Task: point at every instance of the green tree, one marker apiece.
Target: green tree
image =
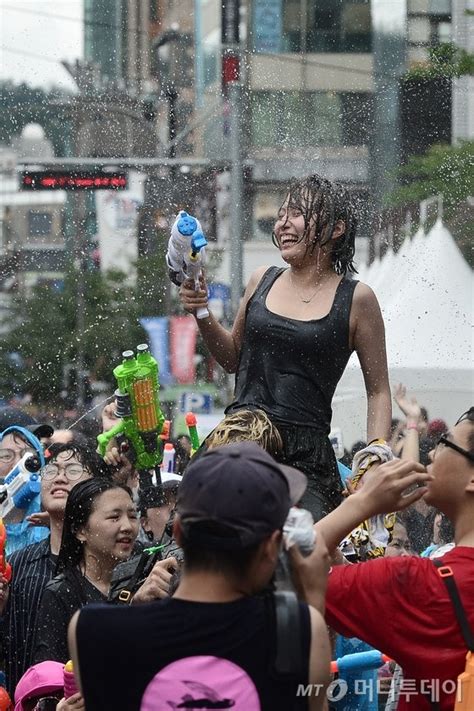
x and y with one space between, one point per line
444 60
43 332
447 170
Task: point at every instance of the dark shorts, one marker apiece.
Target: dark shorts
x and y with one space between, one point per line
310 451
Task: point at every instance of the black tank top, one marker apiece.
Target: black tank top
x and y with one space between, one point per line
154 651
290 368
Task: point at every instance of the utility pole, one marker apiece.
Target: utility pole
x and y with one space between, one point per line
232 91
389 53
236 195
80 265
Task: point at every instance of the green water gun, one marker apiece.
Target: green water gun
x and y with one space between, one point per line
138 407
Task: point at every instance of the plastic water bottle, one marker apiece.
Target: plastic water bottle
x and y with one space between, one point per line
70 687
167 465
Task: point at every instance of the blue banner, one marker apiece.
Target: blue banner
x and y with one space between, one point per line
267 25
158 333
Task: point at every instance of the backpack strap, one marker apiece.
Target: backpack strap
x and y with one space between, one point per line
147 560
445 572
289 656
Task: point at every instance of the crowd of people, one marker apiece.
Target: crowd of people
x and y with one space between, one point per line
248 576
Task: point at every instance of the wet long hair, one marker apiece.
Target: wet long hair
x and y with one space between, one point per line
79 507
324 203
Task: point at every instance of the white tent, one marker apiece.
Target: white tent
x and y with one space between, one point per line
428 321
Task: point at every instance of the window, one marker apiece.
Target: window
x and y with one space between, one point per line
357 118
329 26
40 224
296 119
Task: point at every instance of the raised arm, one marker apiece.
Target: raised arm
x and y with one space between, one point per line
383 491
369 343
223 344
412 411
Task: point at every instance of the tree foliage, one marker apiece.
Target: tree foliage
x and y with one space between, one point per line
444 60
447 170
44 336
23 104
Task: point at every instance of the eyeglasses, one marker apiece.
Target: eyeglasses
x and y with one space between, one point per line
468 415
47 703
445 442
72 471
8 455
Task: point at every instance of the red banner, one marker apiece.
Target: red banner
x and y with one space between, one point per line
183 332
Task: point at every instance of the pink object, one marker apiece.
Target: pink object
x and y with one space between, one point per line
437 427
39 680
201 679
70 687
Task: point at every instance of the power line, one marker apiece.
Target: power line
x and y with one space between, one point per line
298 58
29 54
84 21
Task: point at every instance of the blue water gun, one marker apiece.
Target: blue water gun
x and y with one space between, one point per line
186 253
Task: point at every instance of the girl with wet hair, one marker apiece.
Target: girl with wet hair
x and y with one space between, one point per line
100 529
295 331
322 204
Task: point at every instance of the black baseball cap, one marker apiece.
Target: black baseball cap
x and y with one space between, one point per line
236 495
12 417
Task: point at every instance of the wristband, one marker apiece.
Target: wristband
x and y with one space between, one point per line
412 426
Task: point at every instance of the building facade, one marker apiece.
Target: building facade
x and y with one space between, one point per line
316 97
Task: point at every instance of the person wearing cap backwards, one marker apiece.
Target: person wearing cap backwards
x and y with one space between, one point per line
20 433
212 645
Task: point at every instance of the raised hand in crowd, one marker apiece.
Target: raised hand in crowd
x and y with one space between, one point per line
73 703
157 584
108 417
409 406
412 411
385 490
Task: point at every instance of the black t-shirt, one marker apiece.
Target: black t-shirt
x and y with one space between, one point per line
62 596
180 654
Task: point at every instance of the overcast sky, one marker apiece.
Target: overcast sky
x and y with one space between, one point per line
35 35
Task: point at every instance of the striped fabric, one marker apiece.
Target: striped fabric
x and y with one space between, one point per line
32 568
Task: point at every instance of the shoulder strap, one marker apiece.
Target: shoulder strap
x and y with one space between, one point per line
145 563
289 657
445 572
265 283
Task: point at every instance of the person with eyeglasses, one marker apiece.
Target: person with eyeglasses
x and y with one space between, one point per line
401 605
33 566
20 434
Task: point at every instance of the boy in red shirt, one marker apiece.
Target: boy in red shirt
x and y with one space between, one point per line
401 606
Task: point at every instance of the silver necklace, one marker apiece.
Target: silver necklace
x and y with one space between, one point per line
305 301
